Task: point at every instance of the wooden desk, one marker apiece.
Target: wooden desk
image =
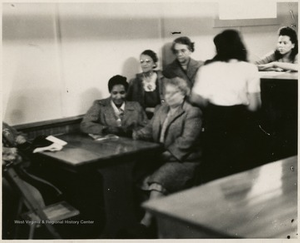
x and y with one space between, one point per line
114 160
259 203
83 152
279 116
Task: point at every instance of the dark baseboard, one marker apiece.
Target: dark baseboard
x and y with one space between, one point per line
51 127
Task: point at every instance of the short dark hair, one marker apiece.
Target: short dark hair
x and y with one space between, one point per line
294 39
229 45
151 54
185 41
117 80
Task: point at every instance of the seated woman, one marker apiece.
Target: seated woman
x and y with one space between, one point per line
114 115
285 57
227 89
147 87
177 125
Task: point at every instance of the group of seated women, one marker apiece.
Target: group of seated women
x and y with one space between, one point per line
203 114
174 107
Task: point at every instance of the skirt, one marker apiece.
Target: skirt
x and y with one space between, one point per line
174 176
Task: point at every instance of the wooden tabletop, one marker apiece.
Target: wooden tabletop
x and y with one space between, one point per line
259 203
82 149
279 75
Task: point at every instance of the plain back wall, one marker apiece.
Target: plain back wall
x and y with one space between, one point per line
58 57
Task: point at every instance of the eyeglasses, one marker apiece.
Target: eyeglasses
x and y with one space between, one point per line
145 61
118 92
170 94
183 51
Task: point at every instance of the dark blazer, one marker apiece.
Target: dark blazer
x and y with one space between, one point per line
175 70
136 91
182 134
101 115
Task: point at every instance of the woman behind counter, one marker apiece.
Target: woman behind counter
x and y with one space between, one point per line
114 115
177 125
285 57
147 87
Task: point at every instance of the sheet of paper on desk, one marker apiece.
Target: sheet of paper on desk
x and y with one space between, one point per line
52 148
56 140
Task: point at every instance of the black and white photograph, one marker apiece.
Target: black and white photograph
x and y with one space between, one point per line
137 120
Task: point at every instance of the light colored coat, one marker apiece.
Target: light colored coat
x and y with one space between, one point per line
182 140
182 133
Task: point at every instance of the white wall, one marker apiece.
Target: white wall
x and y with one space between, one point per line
57 58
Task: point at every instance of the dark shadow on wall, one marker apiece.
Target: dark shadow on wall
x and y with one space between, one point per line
18 114
167 55
130 68
88 97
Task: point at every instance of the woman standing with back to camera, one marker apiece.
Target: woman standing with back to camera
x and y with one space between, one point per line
227 89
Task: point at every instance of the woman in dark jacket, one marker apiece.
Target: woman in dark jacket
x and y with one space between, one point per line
147 87
183 66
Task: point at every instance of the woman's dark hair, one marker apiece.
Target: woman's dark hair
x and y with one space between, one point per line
185 41
151 54
229 45
293 37
117 80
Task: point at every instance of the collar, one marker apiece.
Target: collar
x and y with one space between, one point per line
116 109
187 64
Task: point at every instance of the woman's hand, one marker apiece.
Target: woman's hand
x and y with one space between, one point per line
135 135
112 130
285 66
272 66
150 109
20 139
166 156
9 154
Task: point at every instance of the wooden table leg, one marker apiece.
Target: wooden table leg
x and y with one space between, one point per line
118 198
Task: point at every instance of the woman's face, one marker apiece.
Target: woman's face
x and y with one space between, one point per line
118 94
147 63
284 44
173 96
182 53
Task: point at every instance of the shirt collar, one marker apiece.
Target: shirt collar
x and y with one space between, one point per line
116 109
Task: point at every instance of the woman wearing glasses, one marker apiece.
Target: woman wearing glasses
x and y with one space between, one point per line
177 125
147 87
183 66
